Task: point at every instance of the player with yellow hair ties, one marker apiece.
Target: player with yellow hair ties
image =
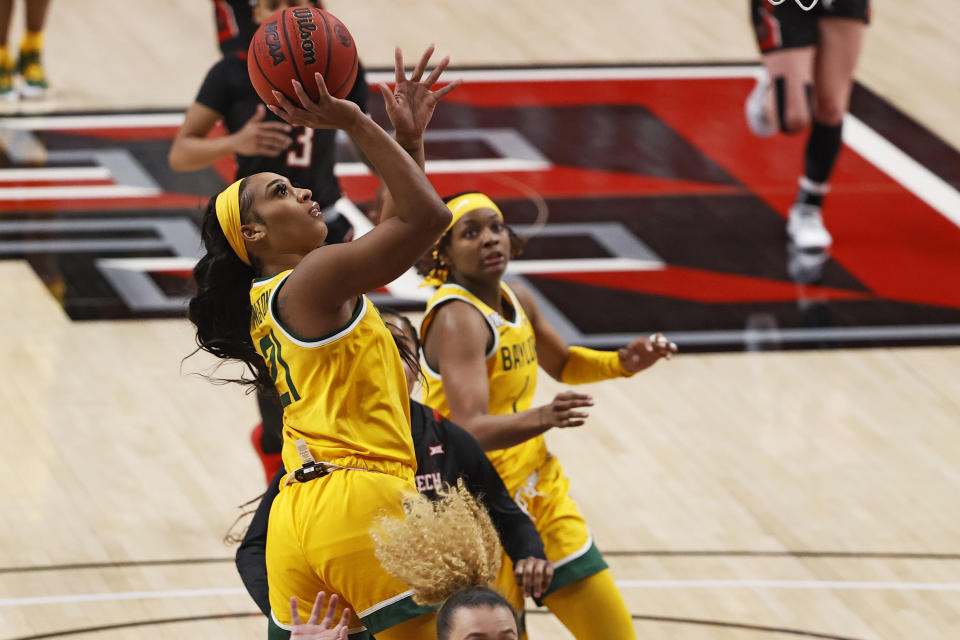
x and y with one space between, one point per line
483 341
295 314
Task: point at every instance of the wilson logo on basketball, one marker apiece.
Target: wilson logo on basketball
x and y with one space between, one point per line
306 26
271 36
342 34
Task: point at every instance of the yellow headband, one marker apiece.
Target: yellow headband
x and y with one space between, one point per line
462 205
459 207
228 215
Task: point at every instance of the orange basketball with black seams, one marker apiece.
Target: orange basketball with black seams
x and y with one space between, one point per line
295 43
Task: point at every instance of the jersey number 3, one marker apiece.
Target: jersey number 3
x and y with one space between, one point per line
302 151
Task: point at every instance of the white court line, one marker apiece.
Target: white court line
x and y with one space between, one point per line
586 265
915 177
163 263
94 121
789 584
77 192
54 173
827 585
471 165
587 73
121 595
134 120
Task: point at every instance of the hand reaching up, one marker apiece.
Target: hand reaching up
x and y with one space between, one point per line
326 112
411 103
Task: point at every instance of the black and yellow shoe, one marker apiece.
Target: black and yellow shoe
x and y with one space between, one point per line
30 68
8 92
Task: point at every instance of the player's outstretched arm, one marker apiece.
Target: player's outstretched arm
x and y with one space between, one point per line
518 535
327 278
410 107
457 343
579 365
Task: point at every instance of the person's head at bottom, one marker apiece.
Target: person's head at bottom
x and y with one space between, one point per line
477 613
447 550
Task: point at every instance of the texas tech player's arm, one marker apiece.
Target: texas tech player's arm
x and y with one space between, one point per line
531 569
517 534
192 149
252 554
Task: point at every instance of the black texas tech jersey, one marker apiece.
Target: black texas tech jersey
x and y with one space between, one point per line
308 163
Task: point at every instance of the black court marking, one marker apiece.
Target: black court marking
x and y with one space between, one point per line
618 553
854 555
115 565
722 624
138 623
645 618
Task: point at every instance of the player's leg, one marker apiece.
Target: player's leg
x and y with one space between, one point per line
841 39
781 98
323 538
582 593
788 97
30 62
593 608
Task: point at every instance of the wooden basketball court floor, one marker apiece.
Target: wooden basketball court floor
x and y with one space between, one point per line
735 495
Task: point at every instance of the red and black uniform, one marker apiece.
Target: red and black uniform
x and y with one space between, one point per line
445 453
789 26
308 163
235 25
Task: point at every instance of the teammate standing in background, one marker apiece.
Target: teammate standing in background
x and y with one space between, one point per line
260 142
808 59
296 315
483 341
29 63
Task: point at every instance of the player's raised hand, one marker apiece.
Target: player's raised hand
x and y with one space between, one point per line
644 352
326 112
324 629
259 138
411 103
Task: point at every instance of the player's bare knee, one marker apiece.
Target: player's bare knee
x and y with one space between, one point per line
795 124
830 115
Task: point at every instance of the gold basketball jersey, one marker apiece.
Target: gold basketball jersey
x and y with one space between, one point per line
344 393
511 376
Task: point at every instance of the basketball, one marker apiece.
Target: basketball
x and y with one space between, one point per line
295 43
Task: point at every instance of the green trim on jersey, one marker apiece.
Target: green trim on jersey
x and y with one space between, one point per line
283 325
393 614
275 632
585 566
